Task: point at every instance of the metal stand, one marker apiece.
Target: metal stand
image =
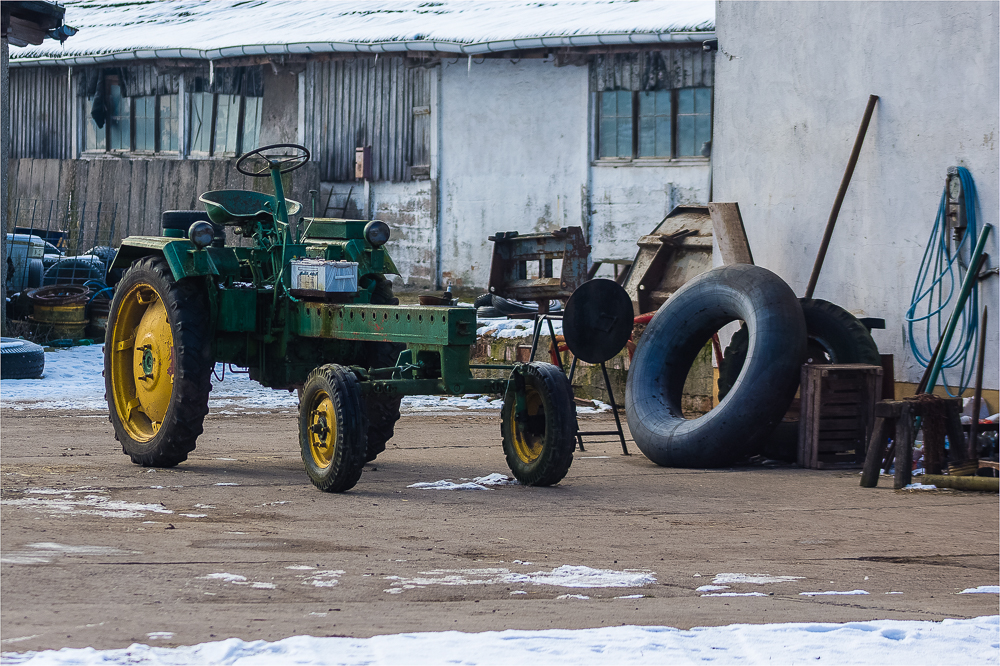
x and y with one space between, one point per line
572 371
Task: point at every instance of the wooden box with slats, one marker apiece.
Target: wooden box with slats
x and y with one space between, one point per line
836 414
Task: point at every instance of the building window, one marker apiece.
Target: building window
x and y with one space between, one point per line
216 127
219 124
655 124
145 123
119 117
114 122
169 134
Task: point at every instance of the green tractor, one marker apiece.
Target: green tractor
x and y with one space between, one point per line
309 309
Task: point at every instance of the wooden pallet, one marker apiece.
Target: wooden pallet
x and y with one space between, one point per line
836 414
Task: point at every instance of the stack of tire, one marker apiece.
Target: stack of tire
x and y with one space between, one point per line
759 373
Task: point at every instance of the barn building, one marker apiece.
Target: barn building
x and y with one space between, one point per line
479 117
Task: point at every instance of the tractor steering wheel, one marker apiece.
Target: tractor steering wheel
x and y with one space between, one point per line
257 164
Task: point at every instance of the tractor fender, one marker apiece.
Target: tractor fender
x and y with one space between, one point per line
183 258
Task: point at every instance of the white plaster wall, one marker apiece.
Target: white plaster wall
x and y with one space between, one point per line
513 156
629 201
792 81
406 208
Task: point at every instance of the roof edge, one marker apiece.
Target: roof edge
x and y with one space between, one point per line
493 46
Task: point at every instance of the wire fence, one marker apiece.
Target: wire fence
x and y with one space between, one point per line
55 241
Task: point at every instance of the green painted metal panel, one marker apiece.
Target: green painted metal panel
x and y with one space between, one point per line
237 310
182 256
388 323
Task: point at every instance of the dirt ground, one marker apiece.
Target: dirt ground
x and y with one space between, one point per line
73 579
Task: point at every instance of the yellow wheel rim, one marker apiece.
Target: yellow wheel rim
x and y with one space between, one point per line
322 430
142 362
527 443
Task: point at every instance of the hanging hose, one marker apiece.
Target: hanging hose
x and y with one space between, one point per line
941 273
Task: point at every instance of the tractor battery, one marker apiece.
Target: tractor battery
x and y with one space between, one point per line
318 278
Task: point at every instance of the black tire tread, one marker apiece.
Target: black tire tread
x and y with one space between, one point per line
561 426
348 464
187 307
852 341
739 425
21 361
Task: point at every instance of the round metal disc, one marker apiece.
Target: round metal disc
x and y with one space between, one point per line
597 321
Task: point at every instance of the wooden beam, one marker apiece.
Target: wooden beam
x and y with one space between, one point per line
729 232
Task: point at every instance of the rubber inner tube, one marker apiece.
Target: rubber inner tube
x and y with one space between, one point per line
762 392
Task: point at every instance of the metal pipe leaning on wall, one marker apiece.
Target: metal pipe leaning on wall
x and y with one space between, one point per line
841 193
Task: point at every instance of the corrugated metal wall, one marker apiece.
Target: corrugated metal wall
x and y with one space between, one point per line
41 117
653 70
363 101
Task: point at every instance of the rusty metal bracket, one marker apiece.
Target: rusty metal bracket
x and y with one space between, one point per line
509 266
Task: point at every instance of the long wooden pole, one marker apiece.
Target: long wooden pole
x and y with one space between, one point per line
841 193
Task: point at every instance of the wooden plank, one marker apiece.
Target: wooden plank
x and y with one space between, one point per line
729 232
876 451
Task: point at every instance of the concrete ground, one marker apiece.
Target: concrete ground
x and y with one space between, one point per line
329 565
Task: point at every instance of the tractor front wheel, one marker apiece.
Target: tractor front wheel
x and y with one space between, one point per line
157 363
332 428
539 440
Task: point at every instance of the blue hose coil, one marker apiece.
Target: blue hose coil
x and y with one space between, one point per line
937 285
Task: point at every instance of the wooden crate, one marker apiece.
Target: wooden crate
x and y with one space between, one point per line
836 414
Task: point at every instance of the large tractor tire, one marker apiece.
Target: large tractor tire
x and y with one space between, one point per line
761 392
20 359
157 363
332 428
834 336
540 451
382 411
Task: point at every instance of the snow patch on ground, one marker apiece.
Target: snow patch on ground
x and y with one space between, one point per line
752 579
497 479
445 484
735 594
515 328
920 486
877 642
819 594
46 552
477 483
420 404
982 589
227 577
75 375
564 576
324 578
70 504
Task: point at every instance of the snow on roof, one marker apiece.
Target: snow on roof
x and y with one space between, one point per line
113 30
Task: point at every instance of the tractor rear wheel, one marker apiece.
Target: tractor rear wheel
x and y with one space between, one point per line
539 446
332 428
157 363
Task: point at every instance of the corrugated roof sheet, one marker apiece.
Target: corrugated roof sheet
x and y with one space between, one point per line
126 29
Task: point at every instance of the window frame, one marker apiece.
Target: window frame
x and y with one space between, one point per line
183 133
651 160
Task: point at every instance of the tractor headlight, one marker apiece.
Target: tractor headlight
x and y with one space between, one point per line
377 233
201 234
